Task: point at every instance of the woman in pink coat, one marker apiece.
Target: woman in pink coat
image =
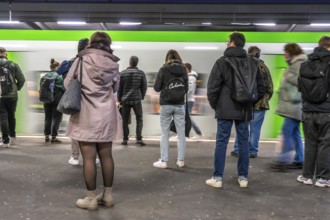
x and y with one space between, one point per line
98 123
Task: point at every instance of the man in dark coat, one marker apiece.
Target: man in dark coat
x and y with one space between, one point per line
132 89
227 110
8 100
316 124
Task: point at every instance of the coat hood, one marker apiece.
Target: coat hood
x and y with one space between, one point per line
300 57
3 60
100 65
235 52
193 73
175 67
318 53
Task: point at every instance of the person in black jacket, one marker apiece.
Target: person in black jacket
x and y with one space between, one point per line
227 111
172 83
316 125
132 89
8 101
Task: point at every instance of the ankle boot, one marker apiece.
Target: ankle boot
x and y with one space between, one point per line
105 198
89 202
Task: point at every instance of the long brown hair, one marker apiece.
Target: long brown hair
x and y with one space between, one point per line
172 55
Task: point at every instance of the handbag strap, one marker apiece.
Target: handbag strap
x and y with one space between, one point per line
81 66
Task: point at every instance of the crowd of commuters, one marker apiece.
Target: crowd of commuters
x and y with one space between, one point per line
99 121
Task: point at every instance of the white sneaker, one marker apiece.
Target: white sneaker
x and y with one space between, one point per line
180 163
5 145
302 179
322 183
242 181
97 160
214 182
13 141
73 161
160 164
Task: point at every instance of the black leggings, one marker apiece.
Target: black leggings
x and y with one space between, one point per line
88 152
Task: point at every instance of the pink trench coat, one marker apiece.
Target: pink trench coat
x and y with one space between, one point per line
99 119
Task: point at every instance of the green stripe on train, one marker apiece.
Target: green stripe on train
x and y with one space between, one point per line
163 36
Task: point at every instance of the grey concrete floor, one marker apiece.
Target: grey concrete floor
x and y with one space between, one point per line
36 182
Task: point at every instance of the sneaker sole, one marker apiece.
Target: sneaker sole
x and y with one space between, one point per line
160 167
214 186
321 186
306 183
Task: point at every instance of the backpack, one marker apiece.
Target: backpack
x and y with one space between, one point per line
174 90
6 79
313 80
47 88
244 88
64 67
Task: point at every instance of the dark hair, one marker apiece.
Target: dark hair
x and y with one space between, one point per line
254 51
54 64
133 61
188 66
3 50
238 39
172 55
82 44
293 49
324 42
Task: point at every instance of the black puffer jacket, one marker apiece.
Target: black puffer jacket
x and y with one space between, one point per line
133 85
166 73
220 86
324 55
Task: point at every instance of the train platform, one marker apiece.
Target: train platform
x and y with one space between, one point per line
37 183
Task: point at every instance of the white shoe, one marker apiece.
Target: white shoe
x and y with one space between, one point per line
214 182
302 179
12 141
322 183
160 164
242 181
97 160
73 161
180 163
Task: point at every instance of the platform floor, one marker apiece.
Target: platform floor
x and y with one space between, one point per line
37 183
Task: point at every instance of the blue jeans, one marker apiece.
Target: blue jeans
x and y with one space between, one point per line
223 134
291 140
193 124
255 130
167 113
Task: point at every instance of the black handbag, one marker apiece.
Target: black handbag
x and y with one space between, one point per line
187 121
71 99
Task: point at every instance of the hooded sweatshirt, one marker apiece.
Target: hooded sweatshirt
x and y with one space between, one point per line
192 77
170 70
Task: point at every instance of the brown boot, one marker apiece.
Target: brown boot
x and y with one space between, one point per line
105 198
89 202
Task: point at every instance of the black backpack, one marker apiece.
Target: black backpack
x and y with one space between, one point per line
244 87
6 79
313 80
174 90
47 88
